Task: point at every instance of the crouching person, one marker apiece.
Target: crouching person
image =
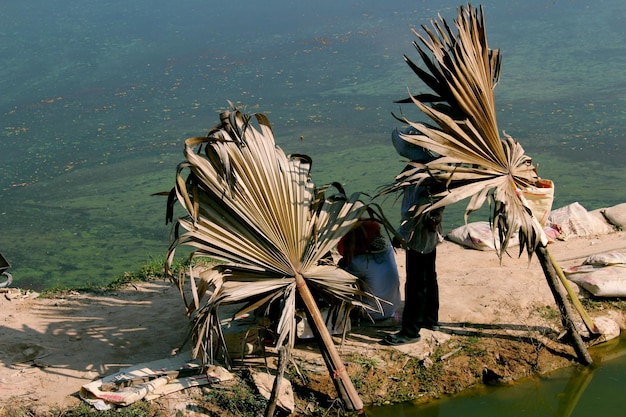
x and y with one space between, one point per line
368 254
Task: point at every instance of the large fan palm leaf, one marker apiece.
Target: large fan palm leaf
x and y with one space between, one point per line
476 163
256 210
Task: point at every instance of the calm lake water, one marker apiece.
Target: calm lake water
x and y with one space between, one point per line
98 96
571 392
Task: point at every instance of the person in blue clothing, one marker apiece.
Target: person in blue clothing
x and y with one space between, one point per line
368 254
419 236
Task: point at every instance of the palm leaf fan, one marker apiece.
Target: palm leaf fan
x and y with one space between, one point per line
475 162
256 211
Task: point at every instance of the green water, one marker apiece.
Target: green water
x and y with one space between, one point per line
570 392
97 98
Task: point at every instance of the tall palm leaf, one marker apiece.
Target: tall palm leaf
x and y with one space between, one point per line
475 162
257 211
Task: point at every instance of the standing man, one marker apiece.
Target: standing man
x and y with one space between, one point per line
420 236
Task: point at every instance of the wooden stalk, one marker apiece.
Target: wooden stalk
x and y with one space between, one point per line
560 296
282 363
591 326
335 366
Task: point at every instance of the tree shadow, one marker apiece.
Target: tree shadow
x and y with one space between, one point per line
84 336
367 332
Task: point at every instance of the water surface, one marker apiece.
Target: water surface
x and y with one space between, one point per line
98 97
569 392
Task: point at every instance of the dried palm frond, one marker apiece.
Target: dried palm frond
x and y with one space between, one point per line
256 211
475 162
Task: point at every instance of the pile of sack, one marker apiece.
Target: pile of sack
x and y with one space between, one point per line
572 220
602 275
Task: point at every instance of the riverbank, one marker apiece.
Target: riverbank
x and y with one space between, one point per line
499 323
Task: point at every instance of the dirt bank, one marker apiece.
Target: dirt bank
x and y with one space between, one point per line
499 323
